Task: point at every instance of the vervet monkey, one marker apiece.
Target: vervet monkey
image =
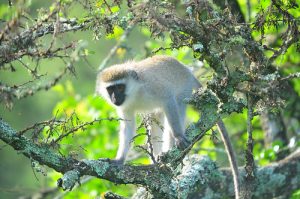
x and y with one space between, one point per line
159 85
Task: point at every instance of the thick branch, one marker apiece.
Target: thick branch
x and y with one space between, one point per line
67 165
201 178
273 180
279 179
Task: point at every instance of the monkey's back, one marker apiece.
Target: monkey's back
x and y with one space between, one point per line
164 74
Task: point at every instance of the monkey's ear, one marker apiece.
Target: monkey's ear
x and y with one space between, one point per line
133 74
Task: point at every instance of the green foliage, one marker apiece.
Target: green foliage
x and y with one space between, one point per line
296 195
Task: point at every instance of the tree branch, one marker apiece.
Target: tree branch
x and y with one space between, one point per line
26 38
273 180
279 179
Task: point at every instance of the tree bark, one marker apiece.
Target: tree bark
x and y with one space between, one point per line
199 177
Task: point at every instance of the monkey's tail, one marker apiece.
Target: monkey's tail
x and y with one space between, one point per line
231 157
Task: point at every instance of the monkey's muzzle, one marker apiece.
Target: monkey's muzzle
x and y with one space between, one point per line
117 98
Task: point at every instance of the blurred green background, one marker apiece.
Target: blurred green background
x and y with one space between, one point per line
76 93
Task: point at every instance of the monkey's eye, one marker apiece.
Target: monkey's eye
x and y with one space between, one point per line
121 88
110 89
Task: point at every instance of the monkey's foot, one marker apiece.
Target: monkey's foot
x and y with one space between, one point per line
182 142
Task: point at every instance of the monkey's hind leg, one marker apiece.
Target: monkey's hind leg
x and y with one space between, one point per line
157 133
168 139
176 123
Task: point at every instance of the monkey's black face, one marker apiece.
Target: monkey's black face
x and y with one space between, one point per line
117 93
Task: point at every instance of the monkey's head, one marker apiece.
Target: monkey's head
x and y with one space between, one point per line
115 84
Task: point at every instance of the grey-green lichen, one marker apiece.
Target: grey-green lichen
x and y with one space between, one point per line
210 194
142 193
197 169
270 77
296 180
171 155
189 10
268 180
192 131
198 47
100 167
122 174
68 181
233 105
205 100
40 153
237 40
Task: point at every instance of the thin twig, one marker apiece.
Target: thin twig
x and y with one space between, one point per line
108 6
148 124
291 76
82 126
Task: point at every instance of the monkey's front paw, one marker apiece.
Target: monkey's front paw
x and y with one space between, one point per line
182 142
